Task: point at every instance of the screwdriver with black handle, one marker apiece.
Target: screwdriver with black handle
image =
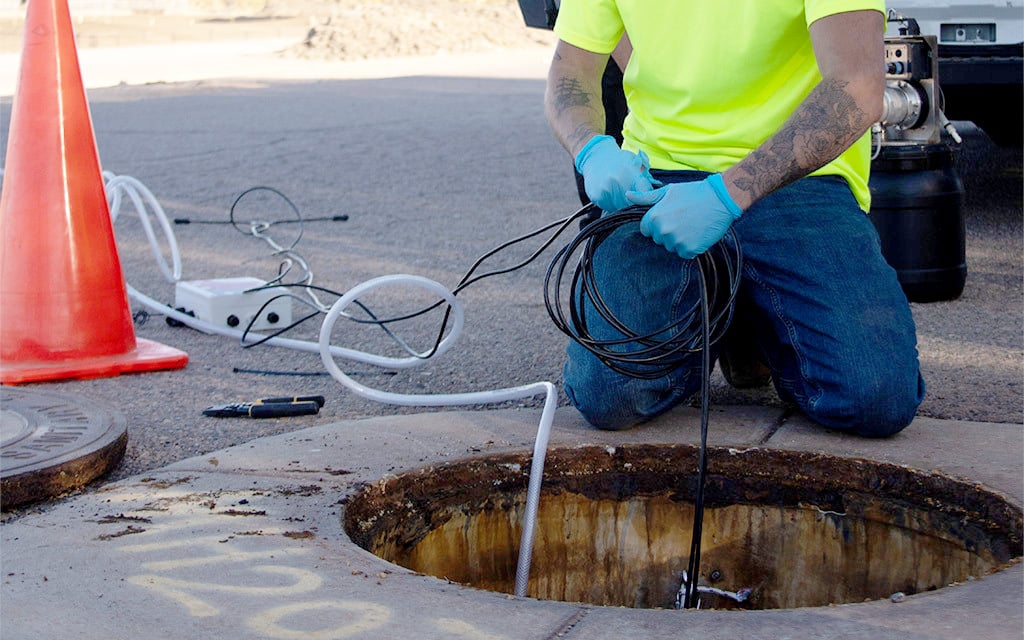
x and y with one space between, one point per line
268 408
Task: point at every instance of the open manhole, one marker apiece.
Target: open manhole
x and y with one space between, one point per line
614 525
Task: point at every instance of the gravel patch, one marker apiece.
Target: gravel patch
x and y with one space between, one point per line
364 30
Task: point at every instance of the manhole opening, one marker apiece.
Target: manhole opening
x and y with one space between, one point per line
613 526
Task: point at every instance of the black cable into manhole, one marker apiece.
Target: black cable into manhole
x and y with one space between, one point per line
654 354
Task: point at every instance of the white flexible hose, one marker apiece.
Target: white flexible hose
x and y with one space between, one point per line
137 192
453 399
140 197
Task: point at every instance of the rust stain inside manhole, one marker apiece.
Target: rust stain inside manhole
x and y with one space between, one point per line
614 524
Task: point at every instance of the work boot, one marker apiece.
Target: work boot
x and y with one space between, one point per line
741 362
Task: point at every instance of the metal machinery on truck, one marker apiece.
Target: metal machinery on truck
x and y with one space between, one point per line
980 51
916 193
945 60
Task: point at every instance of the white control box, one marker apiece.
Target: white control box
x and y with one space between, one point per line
231 303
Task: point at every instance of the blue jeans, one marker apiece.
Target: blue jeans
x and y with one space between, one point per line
826 312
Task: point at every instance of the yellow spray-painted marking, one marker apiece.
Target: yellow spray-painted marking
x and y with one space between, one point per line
179 590
312 619
462 629
368 616
214 544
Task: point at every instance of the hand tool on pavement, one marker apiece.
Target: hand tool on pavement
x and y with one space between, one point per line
268 408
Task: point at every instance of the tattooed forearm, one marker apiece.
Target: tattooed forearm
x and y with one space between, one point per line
575 113
827 122
572 99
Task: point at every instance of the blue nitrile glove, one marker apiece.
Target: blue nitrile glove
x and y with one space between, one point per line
609 172
687 218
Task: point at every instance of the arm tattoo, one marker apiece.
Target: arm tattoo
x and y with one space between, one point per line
580 135
827 122
569 93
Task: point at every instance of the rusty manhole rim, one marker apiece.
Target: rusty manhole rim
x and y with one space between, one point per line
406 496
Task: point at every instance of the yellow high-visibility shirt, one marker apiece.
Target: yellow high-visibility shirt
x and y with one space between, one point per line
710 80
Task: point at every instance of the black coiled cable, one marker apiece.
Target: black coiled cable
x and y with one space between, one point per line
654 354
639 355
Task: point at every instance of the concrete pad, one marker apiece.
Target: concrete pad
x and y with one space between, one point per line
948 614
370 448
247 542
989 453
224 556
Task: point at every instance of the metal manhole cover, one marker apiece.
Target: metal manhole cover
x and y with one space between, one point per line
51 443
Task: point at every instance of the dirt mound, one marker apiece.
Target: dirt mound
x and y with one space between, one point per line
321 29
389 28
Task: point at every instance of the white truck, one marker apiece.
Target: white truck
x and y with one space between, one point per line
980 60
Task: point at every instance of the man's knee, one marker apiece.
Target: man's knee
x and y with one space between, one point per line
873 409
616 403
606 411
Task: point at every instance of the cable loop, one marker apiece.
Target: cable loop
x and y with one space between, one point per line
291 259
645 355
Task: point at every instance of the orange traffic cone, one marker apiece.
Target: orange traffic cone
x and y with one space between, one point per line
64 309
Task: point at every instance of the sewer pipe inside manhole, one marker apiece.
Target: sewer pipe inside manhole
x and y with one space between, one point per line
613 528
